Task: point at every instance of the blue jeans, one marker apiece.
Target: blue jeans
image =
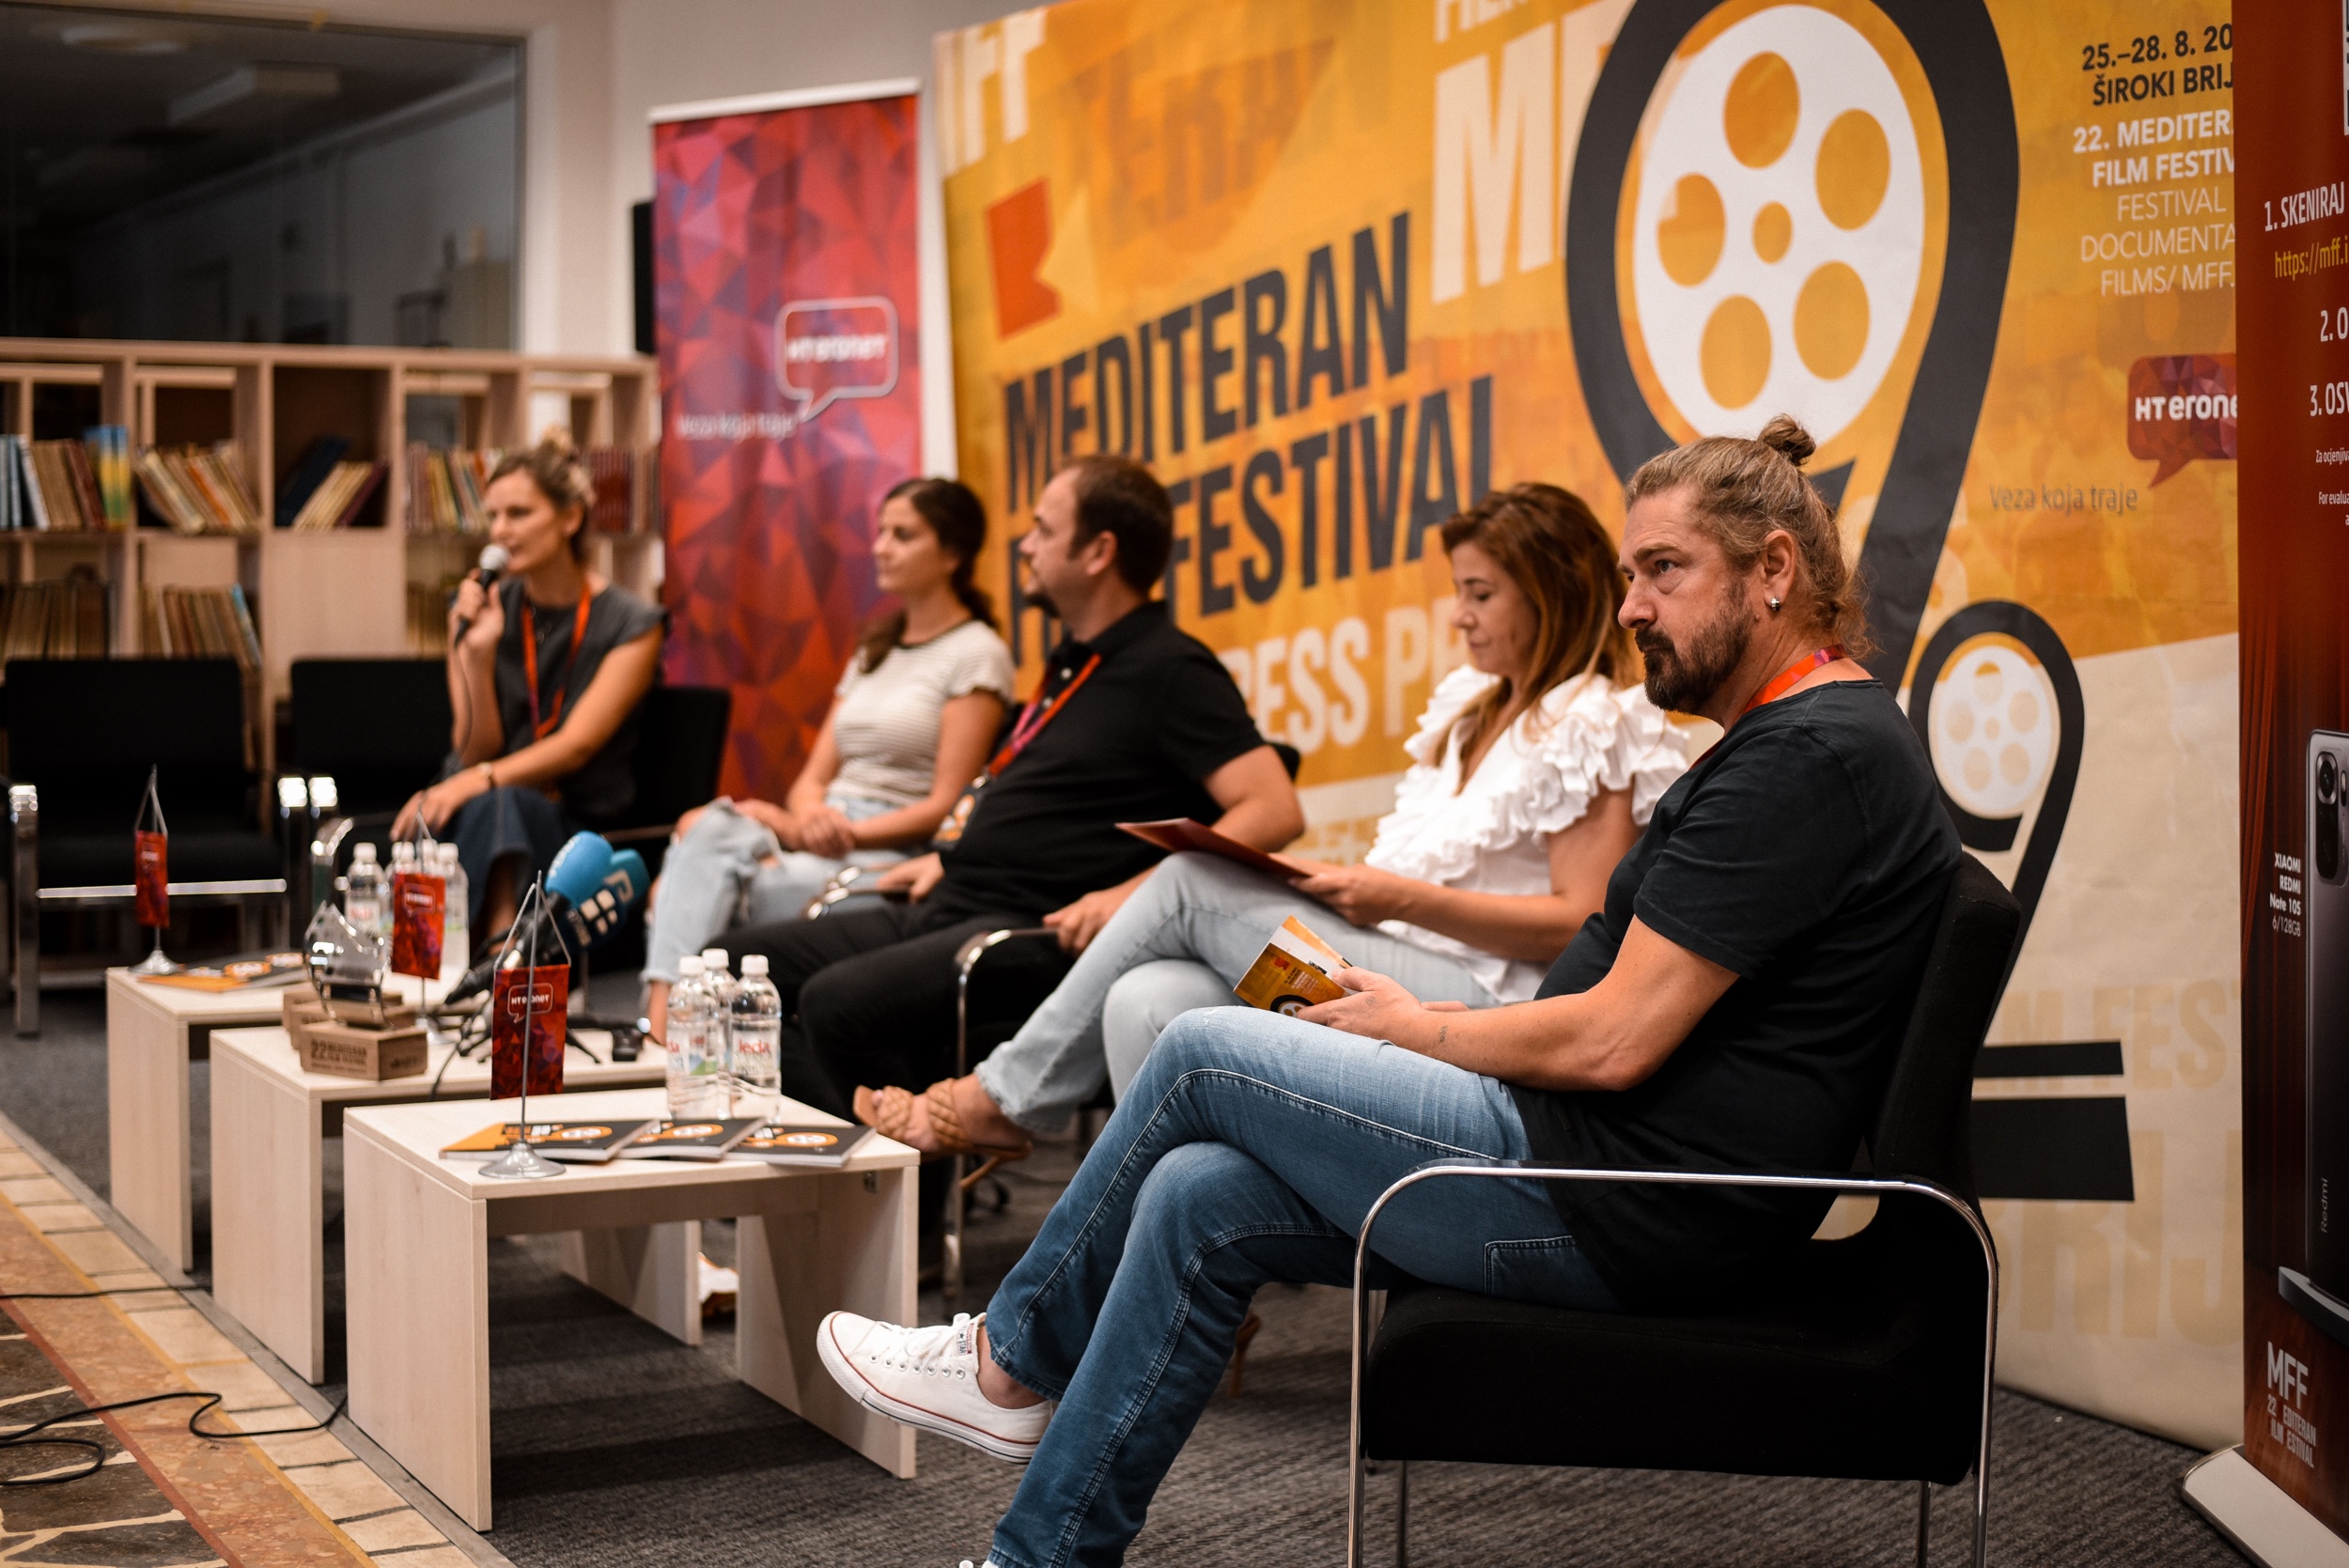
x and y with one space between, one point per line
730 870
1246 1150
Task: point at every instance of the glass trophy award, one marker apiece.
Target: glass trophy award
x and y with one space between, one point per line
347 969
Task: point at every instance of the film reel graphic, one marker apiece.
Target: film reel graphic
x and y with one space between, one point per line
1996 703
1824 212
1776 227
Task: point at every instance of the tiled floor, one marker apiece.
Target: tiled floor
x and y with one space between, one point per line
299 1498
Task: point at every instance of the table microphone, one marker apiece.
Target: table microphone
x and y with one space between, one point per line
485 572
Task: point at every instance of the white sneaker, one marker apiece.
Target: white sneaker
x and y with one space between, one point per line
929 1378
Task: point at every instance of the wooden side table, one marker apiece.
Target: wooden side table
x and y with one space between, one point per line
418 1230
270 1121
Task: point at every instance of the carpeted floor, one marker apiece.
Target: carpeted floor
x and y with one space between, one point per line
614 1445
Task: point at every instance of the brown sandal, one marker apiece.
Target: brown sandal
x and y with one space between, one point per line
891 1111
946 1127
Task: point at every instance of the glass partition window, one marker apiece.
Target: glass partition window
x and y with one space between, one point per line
197 178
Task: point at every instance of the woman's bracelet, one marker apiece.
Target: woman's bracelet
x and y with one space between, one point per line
488 775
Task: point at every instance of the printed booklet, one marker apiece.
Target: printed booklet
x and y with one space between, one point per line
801 1143
581 1142
708 1139
1293 972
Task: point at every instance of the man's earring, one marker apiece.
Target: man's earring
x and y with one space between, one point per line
1774 605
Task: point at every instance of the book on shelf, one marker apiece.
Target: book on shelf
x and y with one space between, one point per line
108 447
340 497
201 622
58 619
445 489
311 469
198 489
54 484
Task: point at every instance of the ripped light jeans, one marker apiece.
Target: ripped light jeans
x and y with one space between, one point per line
732 871
1246 1150
1182 940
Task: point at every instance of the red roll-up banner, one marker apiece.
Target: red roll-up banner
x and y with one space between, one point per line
786 278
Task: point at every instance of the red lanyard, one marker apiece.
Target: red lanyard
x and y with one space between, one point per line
544 727
1780 683
1038 714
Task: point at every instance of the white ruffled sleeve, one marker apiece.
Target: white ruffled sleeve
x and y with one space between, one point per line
1450 699
1653 749
1585 738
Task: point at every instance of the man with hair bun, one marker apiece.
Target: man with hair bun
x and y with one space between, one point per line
1736 1004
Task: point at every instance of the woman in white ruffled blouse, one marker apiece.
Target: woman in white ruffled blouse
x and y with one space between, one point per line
1533 770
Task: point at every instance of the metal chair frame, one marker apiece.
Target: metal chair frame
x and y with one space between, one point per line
1875 1186
30 898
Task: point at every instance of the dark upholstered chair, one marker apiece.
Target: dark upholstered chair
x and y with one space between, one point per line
1867 1358
378 728
82 734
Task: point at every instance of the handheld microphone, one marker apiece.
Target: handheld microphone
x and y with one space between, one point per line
485 572
590 890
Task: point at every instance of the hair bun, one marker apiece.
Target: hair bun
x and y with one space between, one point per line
1786 436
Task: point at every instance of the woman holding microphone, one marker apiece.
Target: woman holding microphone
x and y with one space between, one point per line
545 669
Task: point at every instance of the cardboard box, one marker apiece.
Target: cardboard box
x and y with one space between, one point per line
345 1051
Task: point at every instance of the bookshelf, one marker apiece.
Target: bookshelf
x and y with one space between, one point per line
350 592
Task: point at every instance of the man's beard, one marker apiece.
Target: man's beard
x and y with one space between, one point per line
1684 680
1032 594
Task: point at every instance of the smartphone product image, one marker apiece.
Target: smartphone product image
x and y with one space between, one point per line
2320 1289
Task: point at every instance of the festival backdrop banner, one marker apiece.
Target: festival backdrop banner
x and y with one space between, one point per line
2295 756
1336 270
784 268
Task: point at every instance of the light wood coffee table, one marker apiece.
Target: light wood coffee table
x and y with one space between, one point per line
152 1034
417 1228
270 1124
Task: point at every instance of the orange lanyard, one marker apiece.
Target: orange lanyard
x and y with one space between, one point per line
544 727
1780 683
1038 714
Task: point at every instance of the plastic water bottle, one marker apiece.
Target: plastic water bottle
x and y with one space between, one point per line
696 1047
363 904
757 1034
457 921
721 989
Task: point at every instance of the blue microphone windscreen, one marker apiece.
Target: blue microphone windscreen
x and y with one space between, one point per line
578 871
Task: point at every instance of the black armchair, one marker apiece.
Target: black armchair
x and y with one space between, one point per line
82 734
1867 1358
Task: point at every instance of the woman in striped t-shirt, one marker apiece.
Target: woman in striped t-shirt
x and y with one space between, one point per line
909 725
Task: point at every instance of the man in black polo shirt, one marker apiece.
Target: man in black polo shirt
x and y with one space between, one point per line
1135 721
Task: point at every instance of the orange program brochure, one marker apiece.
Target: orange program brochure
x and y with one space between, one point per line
1293 972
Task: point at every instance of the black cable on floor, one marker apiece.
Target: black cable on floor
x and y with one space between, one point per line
25 1438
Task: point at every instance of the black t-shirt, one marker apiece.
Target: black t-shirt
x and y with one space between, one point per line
1133 744
1809 853
605 786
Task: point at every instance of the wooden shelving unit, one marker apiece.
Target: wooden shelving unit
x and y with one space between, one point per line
338 594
